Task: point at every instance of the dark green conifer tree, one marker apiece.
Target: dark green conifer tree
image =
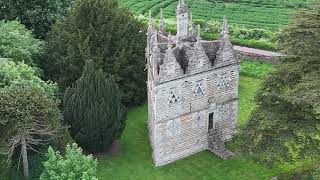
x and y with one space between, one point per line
108 35
93 110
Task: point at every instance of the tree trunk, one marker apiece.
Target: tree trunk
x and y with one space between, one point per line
25 158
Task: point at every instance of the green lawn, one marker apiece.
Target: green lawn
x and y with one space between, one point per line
135 161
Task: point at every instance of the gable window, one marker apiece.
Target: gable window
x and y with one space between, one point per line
173 97
199 91
223 81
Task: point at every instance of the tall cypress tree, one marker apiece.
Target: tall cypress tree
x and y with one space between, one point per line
93 110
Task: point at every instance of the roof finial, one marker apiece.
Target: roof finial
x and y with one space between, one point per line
191 29
199 28
225 30
162 22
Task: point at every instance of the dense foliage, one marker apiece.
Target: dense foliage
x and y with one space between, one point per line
17 43
286 124
111 37
92 108
73 165
28 118
36 15
20 74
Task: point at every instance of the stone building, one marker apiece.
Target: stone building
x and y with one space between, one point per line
192 90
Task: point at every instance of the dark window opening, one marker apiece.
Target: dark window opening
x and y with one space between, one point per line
210 121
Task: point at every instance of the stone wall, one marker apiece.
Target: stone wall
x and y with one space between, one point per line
177 130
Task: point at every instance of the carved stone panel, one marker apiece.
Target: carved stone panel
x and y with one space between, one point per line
173 127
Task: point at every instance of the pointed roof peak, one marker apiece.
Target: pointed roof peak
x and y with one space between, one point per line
199 31
182 7
225 26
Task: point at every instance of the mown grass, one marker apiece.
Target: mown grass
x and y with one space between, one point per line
135 161
255 69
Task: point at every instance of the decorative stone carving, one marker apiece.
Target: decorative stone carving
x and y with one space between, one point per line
174 96
173 127
223 111
198 120
224 81
199 89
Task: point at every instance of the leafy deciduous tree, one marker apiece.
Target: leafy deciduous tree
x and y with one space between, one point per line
17 43
36 15
28 118
73 166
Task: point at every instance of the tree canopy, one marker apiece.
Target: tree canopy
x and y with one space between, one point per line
286 124
18 44
36 15
110 36
28 118
93 110
20 74
73 165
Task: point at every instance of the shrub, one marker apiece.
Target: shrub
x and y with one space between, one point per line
92 108
111 37
73 165
17 43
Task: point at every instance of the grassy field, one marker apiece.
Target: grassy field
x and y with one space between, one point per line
269 14
135 161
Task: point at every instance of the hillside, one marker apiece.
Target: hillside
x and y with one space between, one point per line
267 14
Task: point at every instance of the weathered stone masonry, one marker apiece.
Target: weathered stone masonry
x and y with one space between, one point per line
192 90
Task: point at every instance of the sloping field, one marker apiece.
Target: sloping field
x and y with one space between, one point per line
268 14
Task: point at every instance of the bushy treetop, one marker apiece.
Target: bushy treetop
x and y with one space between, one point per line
93 110
73 165
110 36
20 74
36 15
17 43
